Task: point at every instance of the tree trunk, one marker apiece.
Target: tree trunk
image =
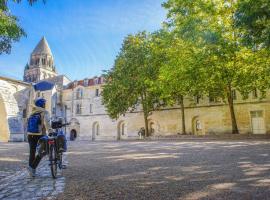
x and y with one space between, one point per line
146 124
145 114
231 106
183 115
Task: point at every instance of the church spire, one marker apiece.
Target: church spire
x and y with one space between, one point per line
41 65
42 47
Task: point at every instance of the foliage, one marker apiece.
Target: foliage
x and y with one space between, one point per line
130 81
10 30
211 25
180 70
253 17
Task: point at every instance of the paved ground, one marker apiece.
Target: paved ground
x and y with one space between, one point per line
147 170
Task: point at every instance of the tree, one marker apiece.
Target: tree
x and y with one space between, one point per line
10 30
253 17
129 82
211 25
180 70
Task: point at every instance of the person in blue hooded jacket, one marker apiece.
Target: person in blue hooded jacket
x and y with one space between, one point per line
38 126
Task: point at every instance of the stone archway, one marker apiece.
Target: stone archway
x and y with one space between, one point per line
121 130
4 130
74 128
197 126
95 130
73 135
153 127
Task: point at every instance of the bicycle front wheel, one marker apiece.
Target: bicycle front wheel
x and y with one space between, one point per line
53 160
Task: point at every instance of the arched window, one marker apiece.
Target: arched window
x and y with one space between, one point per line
96 129
37 61
43 61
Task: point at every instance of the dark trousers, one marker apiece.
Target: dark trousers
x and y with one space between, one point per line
33 159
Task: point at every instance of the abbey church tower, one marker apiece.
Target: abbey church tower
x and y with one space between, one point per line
41 64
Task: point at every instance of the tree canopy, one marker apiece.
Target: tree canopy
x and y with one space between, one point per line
130 81
10 30
253 17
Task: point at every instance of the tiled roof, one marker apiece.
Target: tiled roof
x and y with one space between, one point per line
86 82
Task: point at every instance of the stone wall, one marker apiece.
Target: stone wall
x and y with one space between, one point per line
14 97
202 118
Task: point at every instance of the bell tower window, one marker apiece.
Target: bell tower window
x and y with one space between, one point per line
43 61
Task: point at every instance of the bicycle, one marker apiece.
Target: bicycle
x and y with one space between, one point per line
55 157
55 150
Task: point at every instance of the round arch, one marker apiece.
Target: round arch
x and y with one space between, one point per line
74 128
153 127
95 130
121 129
197 126
73 135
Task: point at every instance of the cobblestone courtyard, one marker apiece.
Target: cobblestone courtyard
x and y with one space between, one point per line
197 169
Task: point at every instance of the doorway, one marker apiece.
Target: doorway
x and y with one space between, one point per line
257 122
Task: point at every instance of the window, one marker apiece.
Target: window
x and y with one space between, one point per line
234 96
255 94
24 113
257 113
97 92
38 94
54 110
79 93
197 99
78 109
43 61
212 99
91 108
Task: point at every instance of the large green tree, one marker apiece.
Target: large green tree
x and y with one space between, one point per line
10 30
211 25
129 83
181 74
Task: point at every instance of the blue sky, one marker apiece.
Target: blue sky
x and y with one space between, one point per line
84 35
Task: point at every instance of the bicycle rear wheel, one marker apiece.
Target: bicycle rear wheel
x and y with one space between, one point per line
53 160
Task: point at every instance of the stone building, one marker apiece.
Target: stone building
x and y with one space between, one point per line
89 119
14 96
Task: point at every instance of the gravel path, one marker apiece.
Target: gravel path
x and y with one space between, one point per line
155 170
168 170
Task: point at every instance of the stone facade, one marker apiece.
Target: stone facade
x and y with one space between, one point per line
203 116
14 96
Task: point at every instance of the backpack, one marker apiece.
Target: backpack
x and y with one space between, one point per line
34 122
